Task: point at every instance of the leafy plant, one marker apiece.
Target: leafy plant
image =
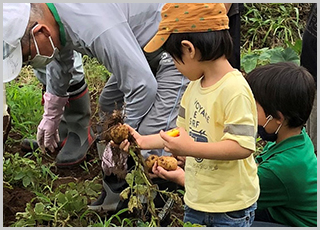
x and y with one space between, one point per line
65 206
270 25
142 190
22 170
265 56
26 111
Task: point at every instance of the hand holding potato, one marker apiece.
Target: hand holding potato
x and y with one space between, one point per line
176 176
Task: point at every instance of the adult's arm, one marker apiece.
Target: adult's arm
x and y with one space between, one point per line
61 70
120 52
58 75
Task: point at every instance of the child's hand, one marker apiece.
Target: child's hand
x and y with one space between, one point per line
135 134
176 176
124 145
181 161
179 145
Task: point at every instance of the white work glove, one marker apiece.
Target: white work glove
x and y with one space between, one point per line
48 134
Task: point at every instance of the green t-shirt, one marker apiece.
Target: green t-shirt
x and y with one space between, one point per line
288 181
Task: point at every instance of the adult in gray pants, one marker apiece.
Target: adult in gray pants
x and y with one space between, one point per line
46 35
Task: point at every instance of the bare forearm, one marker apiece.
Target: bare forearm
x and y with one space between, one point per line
223 150
153 141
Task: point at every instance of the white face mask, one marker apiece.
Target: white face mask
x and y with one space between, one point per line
39 60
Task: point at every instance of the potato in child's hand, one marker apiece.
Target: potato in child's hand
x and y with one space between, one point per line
119 133
150 161
168 163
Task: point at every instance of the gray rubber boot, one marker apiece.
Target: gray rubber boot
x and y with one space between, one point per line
109 199
80 134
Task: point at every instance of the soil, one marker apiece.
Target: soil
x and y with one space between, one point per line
16 198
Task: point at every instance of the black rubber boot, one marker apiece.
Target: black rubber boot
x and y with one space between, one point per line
80 135
29 145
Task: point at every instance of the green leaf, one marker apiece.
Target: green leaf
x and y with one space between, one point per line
125 193
39 208
141 189
283 56
265 56
129 178
249 62
61 198
26 181
19 175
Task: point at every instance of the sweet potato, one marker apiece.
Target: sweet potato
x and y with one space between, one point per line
119 133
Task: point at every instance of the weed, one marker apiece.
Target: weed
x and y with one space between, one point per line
270 25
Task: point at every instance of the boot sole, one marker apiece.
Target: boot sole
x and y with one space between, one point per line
70 164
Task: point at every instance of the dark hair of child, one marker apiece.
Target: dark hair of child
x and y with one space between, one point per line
212 45
284 87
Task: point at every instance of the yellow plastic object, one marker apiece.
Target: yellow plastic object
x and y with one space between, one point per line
173 132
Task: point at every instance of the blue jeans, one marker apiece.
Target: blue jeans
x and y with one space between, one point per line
240 218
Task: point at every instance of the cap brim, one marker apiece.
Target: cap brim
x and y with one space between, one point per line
12 64
156 42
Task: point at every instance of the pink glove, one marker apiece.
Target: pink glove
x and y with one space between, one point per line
48 135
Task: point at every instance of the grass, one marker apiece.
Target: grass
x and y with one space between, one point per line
271 25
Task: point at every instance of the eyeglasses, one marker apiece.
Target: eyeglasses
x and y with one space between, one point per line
29 52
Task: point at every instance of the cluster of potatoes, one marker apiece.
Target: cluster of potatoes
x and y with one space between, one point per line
169 163
120 132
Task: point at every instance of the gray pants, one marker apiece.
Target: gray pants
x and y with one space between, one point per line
164 111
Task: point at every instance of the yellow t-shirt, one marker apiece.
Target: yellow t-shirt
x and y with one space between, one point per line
225 110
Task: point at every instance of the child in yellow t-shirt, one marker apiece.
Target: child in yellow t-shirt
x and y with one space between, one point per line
217 117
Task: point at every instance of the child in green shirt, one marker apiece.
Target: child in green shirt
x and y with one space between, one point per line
287 169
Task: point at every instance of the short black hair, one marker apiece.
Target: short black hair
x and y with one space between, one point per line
285 87
212 45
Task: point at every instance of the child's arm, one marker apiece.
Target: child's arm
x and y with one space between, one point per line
153 141
184 145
